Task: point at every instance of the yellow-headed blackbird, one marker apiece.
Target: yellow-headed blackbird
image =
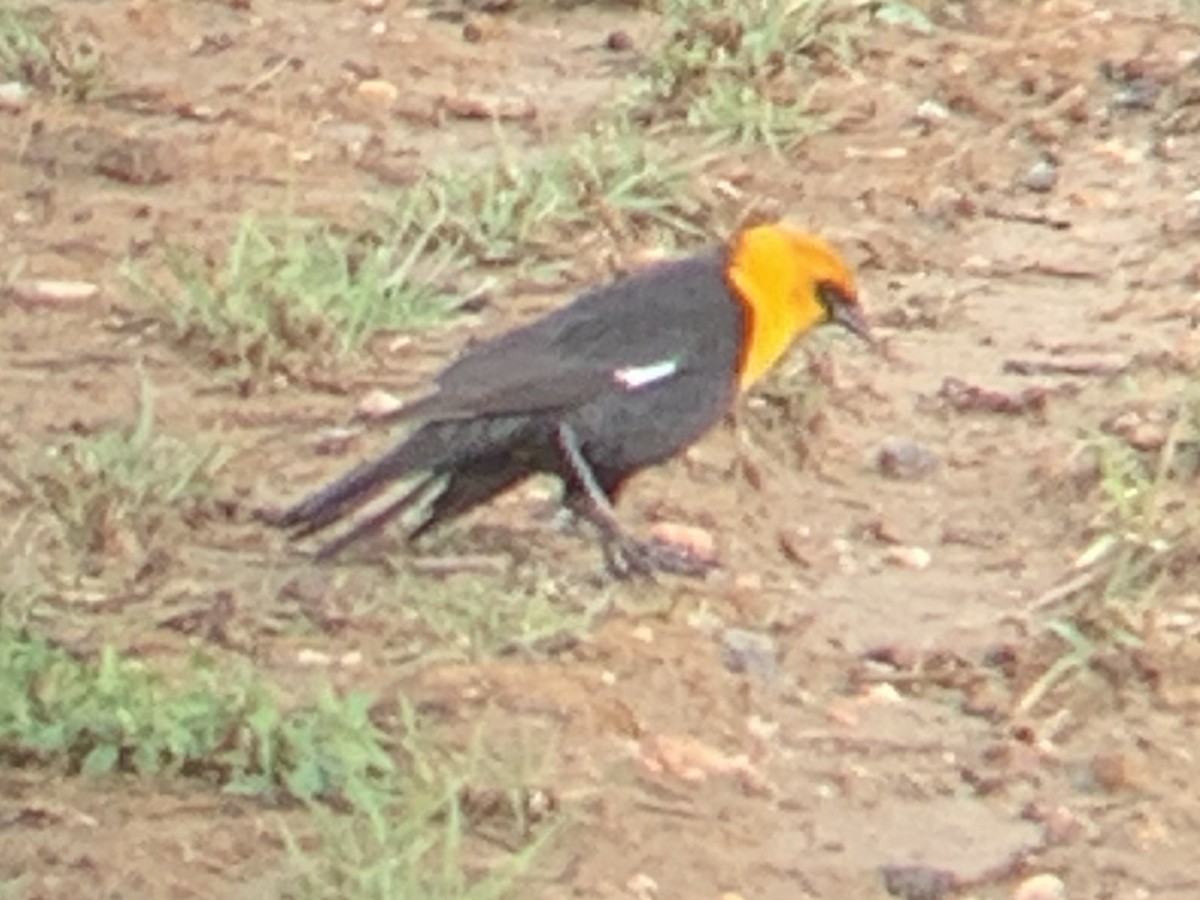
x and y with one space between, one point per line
626 376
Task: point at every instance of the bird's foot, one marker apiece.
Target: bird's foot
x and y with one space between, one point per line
627 558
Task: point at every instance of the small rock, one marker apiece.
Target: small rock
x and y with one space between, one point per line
930 113
619 41
1062 826
1140 93
379 405
45 292
904 459
480 29
882 695
749 652
988 699
691 760
372 6
642 886
908 557
1041 177
335 441
313 658
376 90
698 542
14 96
1041 887
916 882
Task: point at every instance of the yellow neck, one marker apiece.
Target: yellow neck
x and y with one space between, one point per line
765 274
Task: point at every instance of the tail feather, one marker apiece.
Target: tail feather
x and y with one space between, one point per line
376 521
326 506
474 456
466 490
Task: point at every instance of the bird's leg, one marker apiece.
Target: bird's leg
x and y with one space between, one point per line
624 555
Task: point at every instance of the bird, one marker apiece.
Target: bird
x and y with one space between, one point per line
626 376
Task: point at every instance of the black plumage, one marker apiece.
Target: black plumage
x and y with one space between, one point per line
625 377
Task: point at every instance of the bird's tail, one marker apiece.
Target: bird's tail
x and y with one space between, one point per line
442 452
340 498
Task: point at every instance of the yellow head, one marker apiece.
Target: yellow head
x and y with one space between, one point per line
790 282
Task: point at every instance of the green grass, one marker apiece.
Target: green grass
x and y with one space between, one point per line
36 50
111 494
741 72
477 617
113 714
421 842
533 212
392 811
288 294
1145 543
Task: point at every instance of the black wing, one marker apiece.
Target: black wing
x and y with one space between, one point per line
571 356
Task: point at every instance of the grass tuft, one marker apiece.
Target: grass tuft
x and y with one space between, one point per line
110 493
420 841
532 213
1144 550
287 294
37 50
741 72
113 714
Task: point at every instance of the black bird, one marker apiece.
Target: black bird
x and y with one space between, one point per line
627 376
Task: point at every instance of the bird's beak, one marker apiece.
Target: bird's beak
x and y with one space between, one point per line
852 319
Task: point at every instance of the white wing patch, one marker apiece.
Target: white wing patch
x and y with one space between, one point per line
635 377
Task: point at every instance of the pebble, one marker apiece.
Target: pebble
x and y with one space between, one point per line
1041 177
36 292
1041 887
917 882
698 542
903 459
749 652
378 404
335 441
376 90
642 886
14 96
917 558
1141 93
618 41
930 112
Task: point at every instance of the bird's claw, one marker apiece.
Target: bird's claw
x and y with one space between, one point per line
628 558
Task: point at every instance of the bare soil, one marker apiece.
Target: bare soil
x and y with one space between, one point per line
889 745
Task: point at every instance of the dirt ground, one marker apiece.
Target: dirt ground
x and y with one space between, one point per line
1019 193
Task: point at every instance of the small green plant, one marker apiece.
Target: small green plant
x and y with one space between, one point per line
1146 538
418 842
37 50
532 212
111 492
287 291
473 616
113 714
740 71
